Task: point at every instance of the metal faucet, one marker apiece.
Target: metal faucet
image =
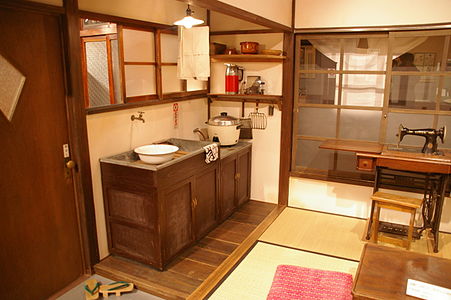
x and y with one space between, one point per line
139 117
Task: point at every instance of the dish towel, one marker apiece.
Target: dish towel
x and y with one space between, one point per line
211 153
193 60
293 282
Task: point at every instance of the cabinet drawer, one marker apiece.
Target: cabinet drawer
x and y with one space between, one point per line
365 163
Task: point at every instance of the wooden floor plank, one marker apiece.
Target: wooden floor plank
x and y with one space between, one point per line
190 268
198 264
247 218
217 245
238 227
227 235
205 256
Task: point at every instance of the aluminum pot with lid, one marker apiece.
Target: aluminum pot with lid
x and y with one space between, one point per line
224 129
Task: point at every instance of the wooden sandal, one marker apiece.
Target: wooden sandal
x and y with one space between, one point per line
92 289
117 287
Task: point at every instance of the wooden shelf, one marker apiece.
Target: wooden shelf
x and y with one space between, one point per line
269 99
247 58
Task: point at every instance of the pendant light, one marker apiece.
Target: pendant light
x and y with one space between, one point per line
188 21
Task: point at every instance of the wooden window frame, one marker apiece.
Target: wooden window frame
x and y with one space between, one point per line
98 38
351 177
142 100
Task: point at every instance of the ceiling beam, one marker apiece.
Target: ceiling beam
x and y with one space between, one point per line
238 13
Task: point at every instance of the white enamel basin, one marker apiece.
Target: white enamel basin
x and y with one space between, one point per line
156 154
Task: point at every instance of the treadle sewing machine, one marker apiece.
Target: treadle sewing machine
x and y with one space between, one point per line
430 134
428 169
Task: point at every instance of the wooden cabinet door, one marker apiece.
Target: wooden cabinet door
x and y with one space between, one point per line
176 230
205 201
227 187
243 166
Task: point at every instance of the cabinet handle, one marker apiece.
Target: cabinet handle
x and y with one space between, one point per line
237 176
195 202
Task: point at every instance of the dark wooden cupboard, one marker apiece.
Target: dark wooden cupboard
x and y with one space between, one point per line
154 214
235 179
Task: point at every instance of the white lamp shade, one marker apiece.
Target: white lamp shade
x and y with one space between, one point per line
188 22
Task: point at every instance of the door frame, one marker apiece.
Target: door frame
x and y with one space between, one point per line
76 120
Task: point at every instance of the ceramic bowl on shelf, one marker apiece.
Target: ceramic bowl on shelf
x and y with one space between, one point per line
249 47
156 154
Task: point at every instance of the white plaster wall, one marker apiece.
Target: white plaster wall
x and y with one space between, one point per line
158 11
350 200
348 13
265 143
274 10
221 22
113 132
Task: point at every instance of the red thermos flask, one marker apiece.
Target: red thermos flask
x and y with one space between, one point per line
233 76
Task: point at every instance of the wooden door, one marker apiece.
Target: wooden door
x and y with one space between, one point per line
205 201
40 249
244 176
177 217
228 186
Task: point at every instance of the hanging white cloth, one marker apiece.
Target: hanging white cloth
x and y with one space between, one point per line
193 61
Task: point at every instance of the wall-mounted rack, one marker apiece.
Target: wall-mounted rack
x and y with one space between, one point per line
267 99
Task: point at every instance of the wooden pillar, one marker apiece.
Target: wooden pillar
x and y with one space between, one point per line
287 118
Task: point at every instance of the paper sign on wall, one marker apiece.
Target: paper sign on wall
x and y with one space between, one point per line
11 83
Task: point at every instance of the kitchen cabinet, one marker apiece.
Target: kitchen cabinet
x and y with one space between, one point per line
235 179
154 214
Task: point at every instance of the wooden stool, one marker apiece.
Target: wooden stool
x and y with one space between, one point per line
395 202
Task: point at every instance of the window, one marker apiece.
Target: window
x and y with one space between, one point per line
125 64
360 88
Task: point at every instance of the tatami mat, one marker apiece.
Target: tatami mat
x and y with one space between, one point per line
318 232
253 277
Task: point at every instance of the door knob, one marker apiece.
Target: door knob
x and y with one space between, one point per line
70 164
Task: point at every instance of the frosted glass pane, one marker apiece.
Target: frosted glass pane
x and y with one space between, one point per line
360 124
416 92
97 67
318 88
448 61
170 81
319 54
445 121
365 54
418 53
445 94
117 74
317 122
310 156
139 80
139 46
346 161
195 85
412 121
169 48
363 90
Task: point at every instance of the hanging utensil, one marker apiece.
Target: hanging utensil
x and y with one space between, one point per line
258 119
